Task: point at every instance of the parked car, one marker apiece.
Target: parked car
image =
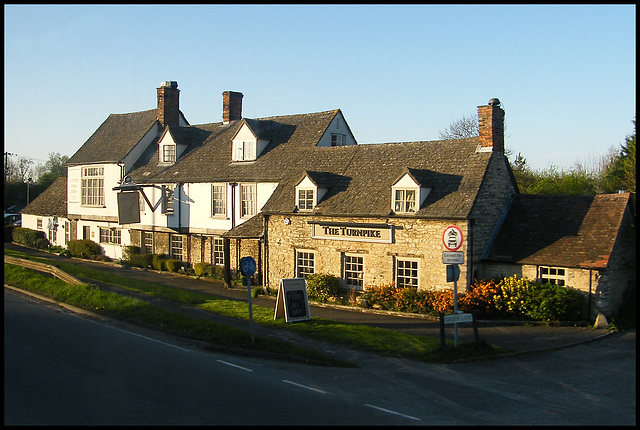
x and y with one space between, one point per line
12 219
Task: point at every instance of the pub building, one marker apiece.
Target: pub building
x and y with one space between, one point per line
301 196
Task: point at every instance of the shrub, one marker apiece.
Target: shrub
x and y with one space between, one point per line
158 261
481 297
322 286
27 236
173 265
383 295
199 269
513 299
42 243
550 302
130 251
84 248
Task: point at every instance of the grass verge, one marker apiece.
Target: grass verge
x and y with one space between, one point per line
377 340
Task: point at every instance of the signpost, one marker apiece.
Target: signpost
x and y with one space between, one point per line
248 268
292 301
452 241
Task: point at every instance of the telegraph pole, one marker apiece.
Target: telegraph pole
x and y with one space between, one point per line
6 165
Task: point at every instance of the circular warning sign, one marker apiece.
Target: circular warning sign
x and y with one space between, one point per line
452 238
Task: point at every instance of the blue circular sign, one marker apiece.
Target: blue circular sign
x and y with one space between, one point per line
248 266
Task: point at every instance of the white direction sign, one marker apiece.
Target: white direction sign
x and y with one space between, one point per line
458 318
450 257
452 238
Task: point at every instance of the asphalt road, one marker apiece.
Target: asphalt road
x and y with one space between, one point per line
64 369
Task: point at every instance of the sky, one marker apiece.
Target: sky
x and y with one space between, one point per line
565 74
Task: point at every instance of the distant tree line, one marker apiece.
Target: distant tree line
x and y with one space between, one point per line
23 178
614 171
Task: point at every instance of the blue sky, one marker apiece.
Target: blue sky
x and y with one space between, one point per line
566 75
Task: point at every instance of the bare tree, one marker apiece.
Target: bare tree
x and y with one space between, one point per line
462 128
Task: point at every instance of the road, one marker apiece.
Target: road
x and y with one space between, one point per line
65 369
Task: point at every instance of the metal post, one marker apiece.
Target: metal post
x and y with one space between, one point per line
250 310
455 303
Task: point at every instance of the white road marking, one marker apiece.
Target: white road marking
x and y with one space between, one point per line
304 386
392 412
234 365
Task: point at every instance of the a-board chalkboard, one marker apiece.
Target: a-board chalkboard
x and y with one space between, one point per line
292 301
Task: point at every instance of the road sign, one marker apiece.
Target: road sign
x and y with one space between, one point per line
452 238
248 266
453 272
458 318
449 257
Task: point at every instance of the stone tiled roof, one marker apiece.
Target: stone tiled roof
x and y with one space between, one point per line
569 231
362 177
252 228
208 154
51 202
113 140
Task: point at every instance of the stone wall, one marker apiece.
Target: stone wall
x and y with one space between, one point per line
412 238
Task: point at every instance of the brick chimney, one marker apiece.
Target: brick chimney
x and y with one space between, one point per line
491 126
231 106
169 103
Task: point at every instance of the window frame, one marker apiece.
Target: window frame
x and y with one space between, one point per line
217 251
173 241
248 207
407 206
338 139
110 235
348 272
309 201
244 150
553 278
92 186
169 153
414 276
222 199
147 236
305 263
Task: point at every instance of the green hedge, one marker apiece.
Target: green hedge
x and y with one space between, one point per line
29 237
84 248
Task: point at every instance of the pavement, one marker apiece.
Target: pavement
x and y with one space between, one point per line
514 336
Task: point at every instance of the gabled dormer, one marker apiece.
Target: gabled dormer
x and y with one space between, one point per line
337 133
247 144
171 145
408 192
309 191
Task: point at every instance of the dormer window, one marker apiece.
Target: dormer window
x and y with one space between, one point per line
169 154
405 201
310 190
306 199
408 193
244 150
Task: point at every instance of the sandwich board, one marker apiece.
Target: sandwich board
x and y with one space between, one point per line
292 301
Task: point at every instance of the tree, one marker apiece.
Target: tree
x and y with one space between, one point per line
621 174
462 128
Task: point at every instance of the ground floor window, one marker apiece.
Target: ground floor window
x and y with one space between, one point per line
552 275
406 273
110 235
305 263
147 242
176 246
217 252
353 269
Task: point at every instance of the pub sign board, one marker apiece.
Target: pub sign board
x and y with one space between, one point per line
355 232
292 301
